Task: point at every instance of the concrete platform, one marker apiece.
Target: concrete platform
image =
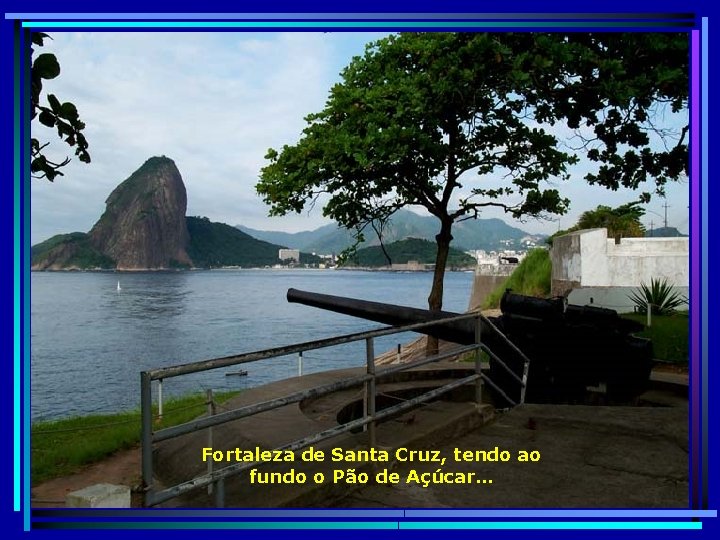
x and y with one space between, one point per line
180 459
591 456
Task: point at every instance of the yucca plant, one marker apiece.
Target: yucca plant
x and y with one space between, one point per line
659 295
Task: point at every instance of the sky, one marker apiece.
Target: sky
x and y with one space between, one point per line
215 103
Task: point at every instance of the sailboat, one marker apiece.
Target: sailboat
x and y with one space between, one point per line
118 287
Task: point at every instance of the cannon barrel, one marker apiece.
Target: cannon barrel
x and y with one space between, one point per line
570 347
462 332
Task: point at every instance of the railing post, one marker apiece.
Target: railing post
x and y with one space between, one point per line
160 400
146 433
478 366
300 364
220 493
370 389
523 388
211 412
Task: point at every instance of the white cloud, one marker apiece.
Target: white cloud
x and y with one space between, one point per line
213 102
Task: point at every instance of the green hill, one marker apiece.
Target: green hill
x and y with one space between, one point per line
487 234
410 249
72 250
217 244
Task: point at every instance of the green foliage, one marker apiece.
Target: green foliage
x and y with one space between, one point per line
659 295
54 241
669 335
410 117
62 116
621 86
622 221
421 115
531 278
76 252
61 447
214 245
410 249
309 258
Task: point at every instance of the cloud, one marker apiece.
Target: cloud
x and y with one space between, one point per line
213 102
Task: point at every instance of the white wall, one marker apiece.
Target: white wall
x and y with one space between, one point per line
589 259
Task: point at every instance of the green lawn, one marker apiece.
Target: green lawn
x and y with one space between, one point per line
62 447
669 334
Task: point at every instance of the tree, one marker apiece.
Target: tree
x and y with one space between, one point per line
621 221
62 116
421 115
620 92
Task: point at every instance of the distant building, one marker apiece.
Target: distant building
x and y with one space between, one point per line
495 258
286 254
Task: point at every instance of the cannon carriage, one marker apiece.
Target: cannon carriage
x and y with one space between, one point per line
573 350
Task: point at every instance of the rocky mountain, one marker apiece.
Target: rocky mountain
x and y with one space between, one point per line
144 227
487 234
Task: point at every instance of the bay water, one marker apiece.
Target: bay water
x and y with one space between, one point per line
90 341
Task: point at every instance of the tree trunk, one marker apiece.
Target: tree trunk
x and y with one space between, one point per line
435 300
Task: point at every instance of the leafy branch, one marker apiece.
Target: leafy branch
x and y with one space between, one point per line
63 116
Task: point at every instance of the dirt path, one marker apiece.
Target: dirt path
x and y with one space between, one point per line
121 468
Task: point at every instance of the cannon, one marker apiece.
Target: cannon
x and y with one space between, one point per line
573 350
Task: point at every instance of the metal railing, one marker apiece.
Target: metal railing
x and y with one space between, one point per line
214 479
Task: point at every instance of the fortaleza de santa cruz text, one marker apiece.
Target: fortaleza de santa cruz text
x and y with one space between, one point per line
258 454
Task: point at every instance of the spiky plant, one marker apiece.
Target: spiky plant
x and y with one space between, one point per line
659 295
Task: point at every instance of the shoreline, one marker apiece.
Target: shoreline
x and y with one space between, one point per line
271 269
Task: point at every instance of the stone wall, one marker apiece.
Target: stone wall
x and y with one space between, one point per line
588 259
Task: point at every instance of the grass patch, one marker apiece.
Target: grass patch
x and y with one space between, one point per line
61 447
531 278
669 334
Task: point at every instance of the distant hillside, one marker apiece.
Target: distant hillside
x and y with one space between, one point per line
217 244
487 234
410 249
298 240
68 251
323 240
664 232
